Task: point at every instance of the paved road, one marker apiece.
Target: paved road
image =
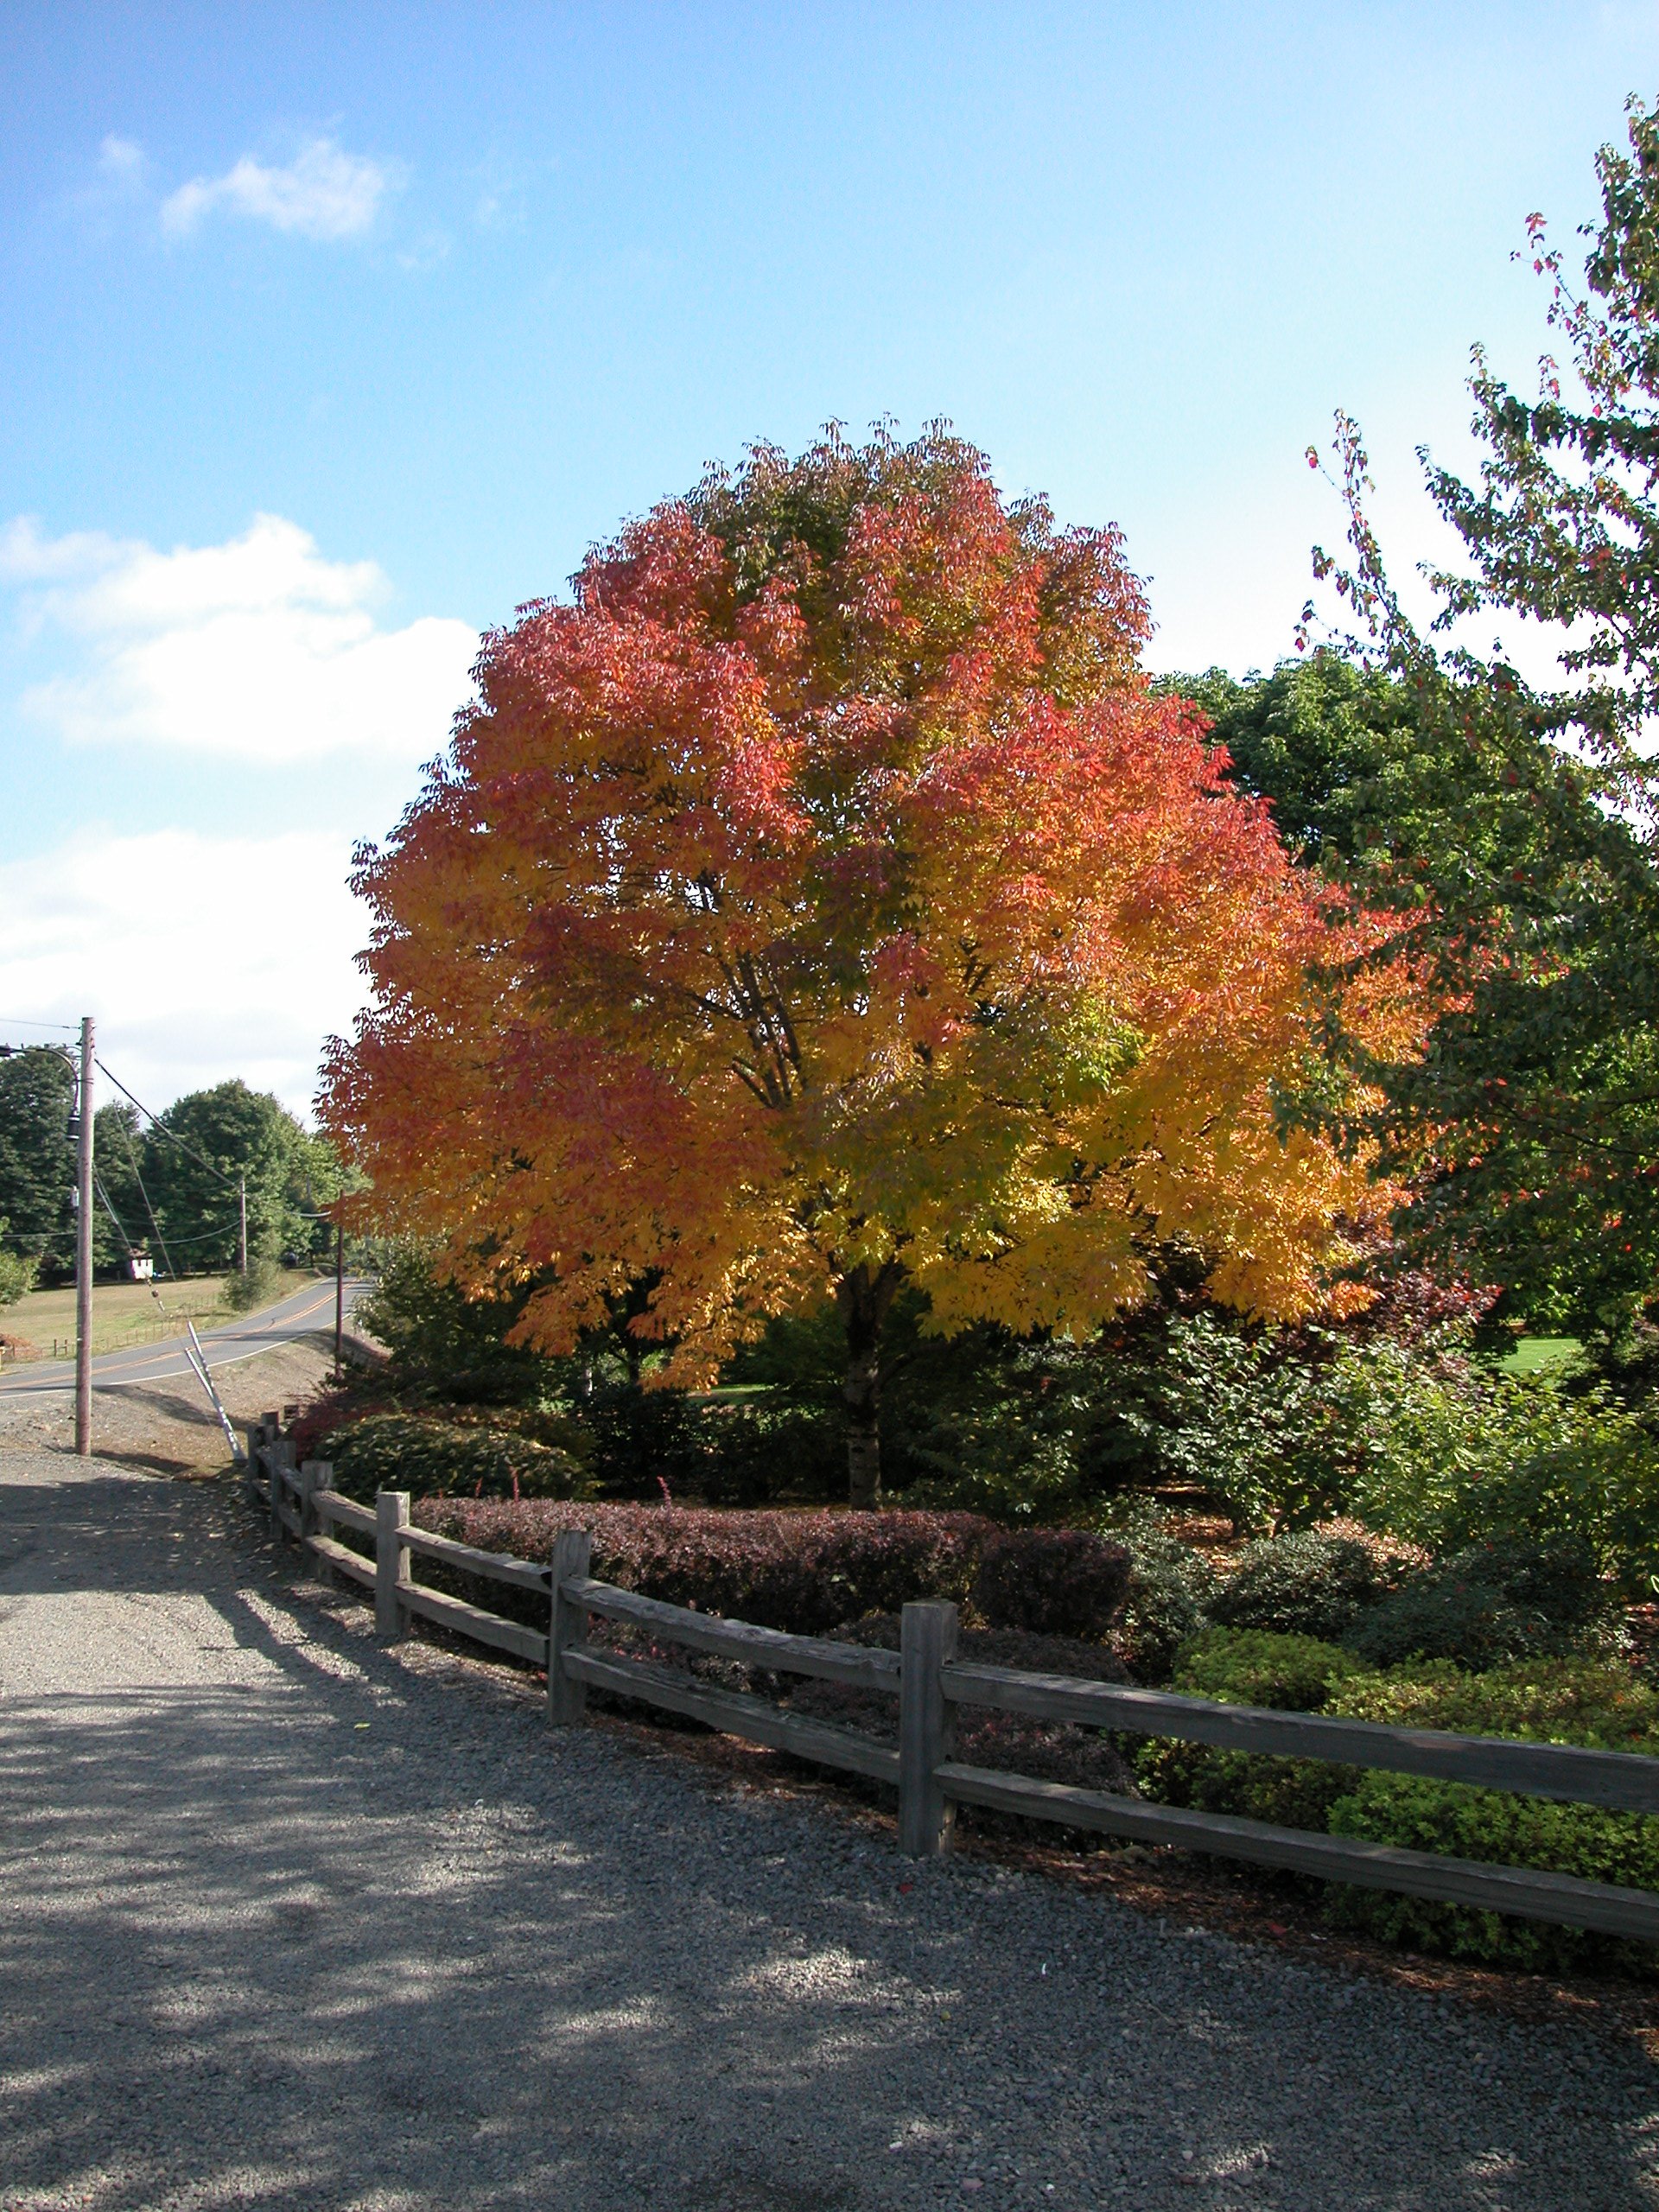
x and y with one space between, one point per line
301 1314
294 1921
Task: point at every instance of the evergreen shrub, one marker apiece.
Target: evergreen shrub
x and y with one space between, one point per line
1168 1599
1286 1673
411 1452
1551 1700
1308 1584
1490 1606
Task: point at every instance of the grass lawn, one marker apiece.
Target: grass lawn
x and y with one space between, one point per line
1531 1353
125 1312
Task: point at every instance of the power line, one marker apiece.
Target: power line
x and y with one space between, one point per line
120 1229
132 1160
157 1123
17 1022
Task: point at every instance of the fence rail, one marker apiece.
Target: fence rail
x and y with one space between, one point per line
930 1686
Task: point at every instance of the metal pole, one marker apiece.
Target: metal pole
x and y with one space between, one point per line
340 1296
84 1252
242 1233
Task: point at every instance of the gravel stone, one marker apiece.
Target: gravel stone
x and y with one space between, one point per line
291 1919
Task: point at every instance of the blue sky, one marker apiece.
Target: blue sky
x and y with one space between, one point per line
331 334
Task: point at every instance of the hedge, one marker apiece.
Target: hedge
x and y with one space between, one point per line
1549 1701
804 1573
1051 1582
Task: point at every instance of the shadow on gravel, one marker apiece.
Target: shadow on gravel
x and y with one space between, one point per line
269 1955
325 1930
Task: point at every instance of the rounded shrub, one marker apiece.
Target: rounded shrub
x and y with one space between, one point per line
1547 1700
1491 1606
1051 1582
435 1457
1286 1674
1308 1584
1167 1600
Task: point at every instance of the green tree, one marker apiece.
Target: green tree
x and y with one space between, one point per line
1563 527
1373 784
37 1159
1434 785
208 1143
120 1215
17 1274
315 1179
1533 873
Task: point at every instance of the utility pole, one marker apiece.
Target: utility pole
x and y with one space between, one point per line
339 1297
242 1232
84 1251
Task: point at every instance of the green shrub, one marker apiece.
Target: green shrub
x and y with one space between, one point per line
754 1450
1309 1584
17 1273
1490 1606
1453 1458
1548 1700
1557 1700
1566 1701
1286 1674
435 1457
447 1343
1167 1603
262 1283
1263 1431
1419 1815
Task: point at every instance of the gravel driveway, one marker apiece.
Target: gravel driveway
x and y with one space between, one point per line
288 1919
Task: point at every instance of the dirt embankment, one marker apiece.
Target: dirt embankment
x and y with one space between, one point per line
168 1427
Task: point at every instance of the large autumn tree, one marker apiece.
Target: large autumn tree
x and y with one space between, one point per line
821 900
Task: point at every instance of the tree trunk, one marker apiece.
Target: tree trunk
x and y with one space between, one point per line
864 1298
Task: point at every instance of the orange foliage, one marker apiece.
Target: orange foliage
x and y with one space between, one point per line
823 890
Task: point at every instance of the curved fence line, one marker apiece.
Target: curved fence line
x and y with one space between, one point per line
931 1685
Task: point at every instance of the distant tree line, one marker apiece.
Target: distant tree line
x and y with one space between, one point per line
169 1188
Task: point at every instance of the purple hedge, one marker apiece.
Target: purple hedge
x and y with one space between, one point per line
809 1573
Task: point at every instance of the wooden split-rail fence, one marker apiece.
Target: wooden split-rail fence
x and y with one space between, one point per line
931 1684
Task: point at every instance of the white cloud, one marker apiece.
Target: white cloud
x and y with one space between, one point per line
199 958
121 163
259 649
324 193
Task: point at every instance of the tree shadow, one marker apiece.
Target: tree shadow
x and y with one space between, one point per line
339 1926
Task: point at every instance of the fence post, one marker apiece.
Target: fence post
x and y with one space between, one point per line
278 1456
927 1727
265 1432
314 1475
390 1560
573 1555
